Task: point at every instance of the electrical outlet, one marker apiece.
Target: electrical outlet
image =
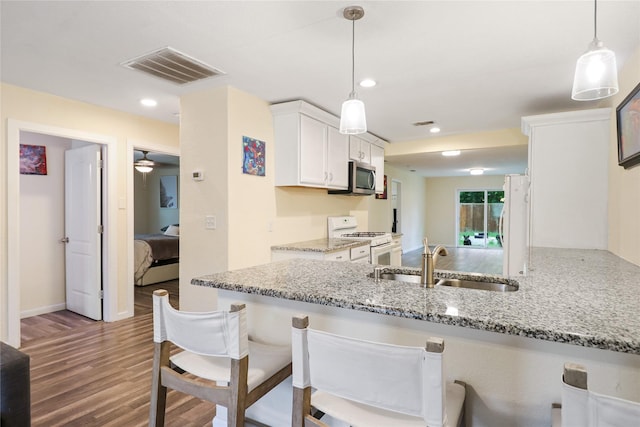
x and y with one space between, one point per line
210 222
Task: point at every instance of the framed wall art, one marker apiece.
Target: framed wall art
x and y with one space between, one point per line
33 159
169 192
628 123
253 157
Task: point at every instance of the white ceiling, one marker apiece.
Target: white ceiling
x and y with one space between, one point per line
469 65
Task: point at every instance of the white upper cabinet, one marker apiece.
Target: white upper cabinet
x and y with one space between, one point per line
359 149
337 159
311 152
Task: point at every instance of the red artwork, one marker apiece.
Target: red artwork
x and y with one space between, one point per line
33 159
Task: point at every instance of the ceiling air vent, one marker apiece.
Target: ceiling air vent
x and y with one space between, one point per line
169 64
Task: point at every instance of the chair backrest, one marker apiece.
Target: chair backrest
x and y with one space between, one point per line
216 333
403 379
584 408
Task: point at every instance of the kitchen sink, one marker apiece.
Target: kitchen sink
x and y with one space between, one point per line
477 284
454 283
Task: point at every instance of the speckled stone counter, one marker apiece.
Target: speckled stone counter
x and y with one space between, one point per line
587 298
321 245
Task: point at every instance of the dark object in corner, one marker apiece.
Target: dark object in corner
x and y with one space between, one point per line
15 389
467 241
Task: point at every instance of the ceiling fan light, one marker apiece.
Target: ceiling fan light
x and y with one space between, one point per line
143 168
352 118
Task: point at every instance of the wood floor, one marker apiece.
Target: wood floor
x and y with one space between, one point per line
88 373
488 261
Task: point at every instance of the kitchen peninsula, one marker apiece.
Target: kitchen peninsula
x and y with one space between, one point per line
576 305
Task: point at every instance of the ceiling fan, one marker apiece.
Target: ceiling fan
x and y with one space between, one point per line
144 165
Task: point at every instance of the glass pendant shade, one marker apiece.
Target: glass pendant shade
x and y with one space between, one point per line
596 74
352 118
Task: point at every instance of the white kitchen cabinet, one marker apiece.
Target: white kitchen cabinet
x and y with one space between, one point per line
377 160
359 149
337 159
309 149
568 170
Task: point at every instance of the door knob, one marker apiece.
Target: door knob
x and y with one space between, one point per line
64 240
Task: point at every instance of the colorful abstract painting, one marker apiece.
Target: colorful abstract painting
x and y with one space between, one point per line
254 151
33 159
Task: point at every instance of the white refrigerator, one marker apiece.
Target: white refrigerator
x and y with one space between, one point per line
514 225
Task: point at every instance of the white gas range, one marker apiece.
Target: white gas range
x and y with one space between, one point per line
383 249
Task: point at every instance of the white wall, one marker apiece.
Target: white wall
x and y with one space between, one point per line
413 210
42 256
441 204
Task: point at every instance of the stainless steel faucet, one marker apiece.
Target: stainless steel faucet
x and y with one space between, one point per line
429 260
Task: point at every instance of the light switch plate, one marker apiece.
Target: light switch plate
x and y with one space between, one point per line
210 222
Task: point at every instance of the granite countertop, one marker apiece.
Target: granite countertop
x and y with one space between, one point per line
588 298
321 245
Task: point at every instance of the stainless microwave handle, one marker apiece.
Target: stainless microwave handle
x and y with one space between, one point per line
372 180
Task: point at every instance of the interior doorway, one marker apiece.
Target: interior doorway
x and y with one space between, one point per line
396 206
16 257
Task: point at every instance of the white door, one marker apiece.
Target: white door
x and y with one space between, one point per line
82 229
337 159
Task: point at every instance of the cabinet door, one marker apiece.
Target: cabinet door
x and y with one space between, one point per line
337 159
377 160
313 148
354 148
359 150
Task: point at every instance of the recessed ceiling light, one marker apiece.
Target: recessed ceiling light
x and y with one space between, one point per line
476 171
451 153
148 102
434 129
368 83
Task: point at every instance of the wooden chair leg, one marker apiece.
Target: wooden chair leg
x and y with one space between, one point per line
238 392
158 391
301 406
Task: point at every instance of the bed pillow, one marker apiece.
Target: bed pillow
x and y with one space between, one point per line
163 229
172 230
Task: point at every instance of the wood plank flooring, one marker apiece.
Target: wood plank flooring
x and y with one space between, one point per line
88 373
488 261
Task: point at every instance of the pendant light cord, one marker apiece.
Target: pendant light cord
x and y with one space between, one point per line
595 19
353 56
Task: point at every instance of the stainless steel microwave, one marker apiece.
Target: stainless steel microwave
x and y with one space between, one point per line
362 180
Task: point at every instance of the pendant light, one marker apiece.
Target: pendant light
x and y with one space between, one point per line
352 117
596 74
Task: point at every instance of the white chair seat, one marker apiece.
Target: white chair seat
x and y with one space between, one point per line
264 361
358 414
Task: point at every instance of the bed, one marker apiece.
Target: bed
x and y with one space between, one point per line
156 256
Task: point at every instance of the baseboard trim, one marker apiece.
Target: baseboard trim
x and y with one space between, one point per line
42 310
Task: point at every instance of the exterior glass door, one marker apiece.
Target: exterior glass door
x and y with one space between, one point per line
479 217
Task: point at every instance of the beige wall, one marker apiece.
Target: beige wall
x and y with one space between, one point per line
441 204
624 184
42 267
44 109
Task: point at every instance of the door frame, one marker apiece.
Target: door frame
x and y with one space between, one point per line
134 144
109 209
